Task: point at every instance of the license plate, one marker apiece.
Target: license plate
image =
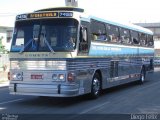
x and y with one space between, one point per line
36 76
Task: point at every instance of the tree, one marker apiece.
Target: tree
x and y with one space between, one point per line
2 47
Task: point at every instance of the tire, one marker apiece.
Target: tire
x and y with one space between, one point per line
142 76
96 86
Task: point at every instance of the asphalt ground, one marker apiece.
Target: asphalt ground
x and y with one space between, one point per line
129 101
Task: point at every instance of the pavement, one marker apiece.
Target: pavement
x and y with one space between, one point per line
131 99
4 84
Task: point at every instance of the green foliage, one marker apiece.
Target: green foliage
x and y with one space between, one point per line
2 47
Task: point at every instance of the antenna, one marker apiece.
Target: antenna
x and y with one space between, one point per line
73 3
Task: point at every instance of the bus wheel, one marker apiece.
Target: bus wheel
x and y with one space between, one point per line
142 76
96 86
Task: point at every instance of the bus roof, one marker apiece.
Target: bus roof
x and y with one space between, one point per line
75 9
61 9
127 26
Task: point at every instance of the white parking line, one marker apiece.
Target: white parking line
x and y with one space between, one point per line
10 101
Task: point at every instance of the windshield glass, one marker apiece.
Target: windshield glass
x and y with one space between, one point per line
45 35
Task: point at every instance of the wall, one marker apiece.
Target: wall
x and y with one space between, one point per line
6 33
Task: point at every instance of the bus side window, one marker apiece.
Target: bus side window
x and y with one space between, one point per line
143 39
150 41
125 36
134 38
98 31
113 33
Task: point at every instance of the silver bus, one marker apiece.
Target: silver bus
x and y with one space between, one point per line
62 52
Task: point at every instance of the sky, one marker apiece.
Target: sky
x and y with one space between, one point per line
133 11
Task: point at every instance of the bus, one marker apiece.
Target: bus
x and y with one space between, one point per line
62 52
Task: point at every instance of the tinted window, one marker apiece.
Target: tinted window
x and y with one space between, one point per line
98 31
143 39
150 41
134 37
113 33
125 36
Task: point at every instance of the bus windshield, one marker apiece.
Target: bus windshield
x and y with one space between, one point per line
45 35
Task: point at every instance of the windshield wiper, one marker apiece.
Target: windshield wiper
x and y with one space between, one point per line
50 48
22 50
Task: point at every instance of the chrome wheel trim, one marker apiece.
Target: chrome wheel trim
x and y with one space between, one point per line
96 86
142 77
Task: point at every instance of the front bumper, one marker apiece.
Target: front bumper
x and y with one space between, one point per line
53 90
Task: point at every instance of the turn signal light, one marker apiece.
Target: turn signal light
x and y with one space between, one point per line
9 76
71 77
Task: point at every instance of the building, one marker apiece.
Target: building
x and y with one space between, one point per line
5 37
155 28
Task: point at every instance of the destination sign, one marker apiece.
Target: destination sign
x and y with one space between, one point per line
21 17
66 14
44 15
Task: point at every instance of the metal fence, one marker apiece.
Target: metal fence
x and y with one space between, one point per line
4 62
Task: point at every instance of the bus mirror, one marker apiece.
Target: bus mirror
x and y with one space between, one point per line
84 35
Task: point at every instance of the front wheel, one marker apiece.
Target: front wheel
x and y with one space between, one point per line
96 86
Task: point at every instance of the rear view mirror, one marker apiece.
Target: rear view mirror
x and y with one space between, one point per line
84 35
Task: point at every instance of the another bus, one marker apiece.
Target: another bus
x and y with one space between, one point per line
61 52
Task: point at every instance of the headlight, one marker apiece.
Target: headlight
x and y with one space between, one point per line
71 77
16 76
61 77
58 77
19 76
